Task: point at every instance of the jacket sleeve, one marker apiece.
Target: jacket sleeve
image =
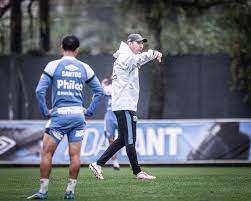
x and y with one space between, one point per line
98 91
144 57
41 89
131 61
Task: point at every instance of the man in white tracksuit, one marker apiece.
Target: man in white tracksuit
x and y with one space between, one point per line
125 96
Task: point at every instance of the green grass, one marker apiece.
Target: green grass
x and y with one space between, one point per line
172 184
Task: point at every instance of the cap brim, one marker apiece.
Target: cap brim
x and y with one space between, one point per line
144 40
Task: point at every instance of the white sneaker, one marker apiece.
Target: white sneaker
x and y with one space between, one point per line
96 170
144 176
116 165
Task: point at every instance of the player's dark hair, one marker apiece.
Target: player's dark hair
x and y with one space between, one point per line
70 43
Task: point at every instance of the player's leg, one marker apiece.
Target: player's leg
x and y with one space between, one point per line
127 125
75 137
110 126
49 147
74 152
115 161
116 144
110 138
130 141
110 151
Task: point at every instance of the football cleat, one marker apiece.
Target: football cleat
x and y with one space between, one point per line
38 196
116 168
116 165
68 195
96 170
144 176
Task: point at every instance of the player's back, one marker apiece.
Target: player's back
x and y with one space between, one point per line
68 78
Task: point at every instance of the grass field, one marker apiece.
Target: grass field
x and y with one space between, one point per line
172 184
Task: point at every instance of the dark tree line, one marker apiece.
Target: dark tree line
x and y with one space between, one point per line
155 10
16 76
15 7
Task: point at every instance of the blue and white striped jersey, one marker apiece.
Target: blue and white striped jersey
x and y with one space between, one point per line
67 76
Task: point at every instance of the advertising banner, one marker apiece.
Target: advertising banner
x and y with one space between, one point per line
158 141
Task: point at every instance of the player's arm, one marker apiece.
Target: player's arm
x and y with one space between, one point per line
131 61
145 57
98 92
41 89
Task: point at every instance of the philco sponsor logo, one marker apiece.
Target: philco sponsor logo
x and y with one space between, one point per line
71 84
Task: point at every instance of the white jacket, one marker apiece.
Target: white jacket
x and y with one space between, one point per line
125 78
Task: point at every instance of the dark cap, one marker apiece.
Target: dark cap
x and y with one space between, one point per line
136 37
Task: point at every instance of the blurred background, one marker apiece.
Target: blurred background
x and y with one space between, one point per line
206 72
